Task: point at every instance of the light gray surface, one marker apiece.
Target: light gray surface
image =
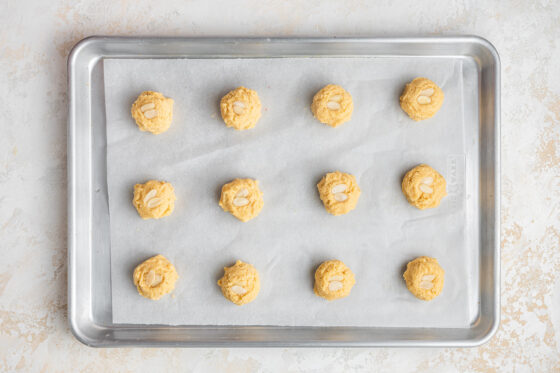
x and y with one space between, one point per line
95 331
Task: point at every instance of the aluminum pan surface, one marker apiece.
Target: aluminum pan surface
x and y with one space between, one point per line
90 324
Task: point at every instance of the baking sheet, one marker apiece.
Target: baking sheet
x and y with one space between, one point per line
288 152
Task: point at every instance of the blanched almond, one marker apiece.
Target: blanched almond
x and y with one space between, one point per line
428 180
339 188
340 197
333 105
335 285
427 92
153 279
151 194
426 189
154 202
147 107
242 193
240 201
150 114
427 285
238 107
239 290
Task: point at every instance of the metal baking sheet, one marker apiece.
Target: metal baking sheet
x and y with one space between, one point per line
90 305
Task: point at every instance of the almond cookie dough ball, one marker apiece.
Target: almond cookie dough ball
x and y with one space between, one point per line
242 198
155 277
241 108
332 105
424 187
240 283
339 192
333 280
421 99
153 112
424 278
154 199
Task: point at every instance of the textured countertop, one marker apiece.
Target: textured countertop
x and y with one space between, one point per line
35 39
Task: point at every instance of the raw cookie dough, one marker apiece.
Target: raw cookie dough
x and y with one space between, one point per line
333 280
332 105
424 187
241 108
424 278
153 112
155 277
339 192
421 99
242 198
240 283
154 199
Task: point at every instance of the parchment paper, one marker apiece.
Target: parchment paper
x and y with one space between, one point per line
288 152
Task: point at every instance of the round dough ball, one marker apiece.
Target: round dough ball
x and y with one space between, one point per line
332 105
155 277
154 199
424 278
241 108
153 112
339 192
333 280
240 283
242 198
421 99
424 187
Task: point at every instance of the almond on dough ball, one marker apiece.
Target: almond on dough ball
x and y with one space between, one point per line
333 280
424 187
421 99
240 283
242 198
424 278
332 105
153 112
241 108
339 192
155 277
154 199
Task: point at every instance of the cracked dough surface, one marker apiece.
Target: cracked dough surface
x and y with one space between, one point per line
333 280
241 108
154 199
332 105
240 283
155 277
424 187
242 198
424 278
417 107
339 192
153 112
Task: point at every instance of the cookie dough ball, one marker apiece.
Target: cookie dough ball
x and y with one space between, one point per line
241 108
154 199
155 277
424 187
332 105
333 280
339 192
240 283
242 198
153 112
421 99
424 278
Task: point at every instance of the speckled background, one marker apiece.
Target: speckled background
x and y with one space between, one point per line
35 39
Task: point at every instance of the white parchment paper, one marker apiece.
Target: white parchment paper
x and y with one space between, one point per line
288 152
